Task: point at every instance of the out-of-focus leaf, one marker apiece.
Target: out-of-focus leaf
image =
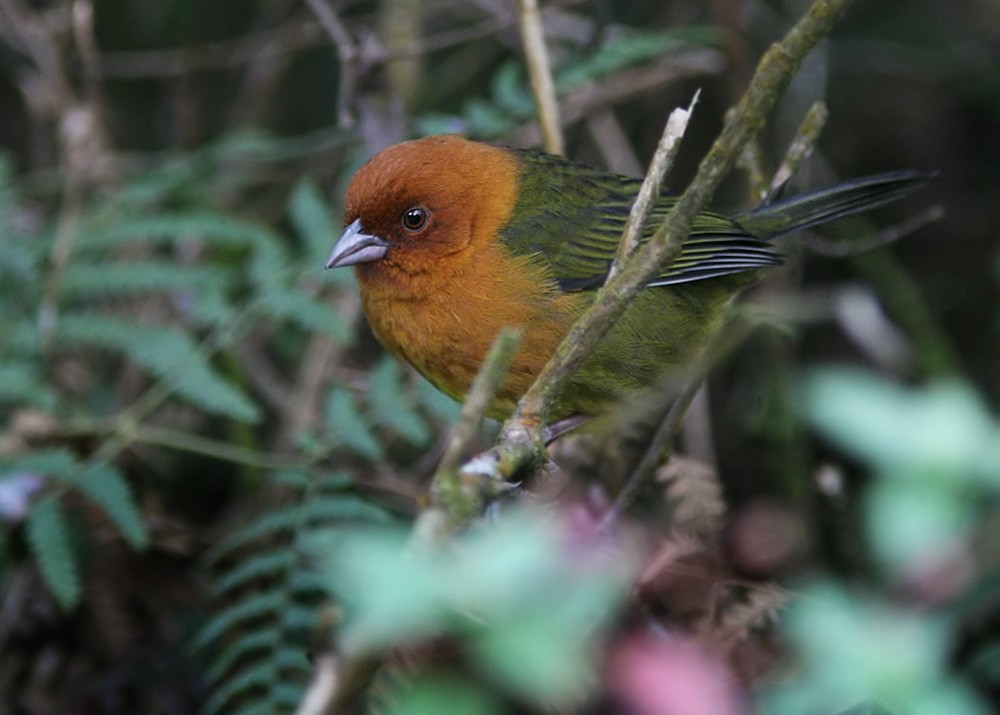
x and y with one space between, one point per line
346 425
910 522
106 488
855 649
435 695
391 407
48 536
513 591
940 432
438 403
631 49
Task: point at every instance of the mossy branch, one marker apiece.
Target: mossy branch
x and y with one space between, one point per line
453 498
522 440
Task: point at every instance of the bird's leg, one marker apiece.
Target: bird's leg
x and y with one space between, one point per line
560 427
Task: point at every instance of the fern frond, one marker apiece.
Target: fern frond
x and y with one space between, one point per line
269 675
300 618
258 676
313 315
324 510
54 463
104 486
256 606
391 408
247 644
311 218
127 278
48 538
168 354
344 422
285 695
259 642
307 582
269 525
212 228
257 566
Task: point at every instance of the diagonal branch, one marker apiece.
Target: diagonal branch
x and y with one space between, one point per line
521 439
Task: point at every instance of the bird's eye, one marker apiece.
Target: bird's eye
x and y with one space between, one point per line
414 219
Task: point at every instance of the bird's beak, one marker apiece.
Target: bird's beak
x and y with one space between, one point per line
354 246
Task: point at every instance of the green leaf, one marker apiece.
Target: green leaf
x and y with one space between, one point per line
170 355
629 49
48 537
536 656
128 278
247 644
271 524
58 463
943 432
312 221
509 89
857 649
438 403
103 485
435 695
259 676
346 425
257 606
21 382
390 406
259 565
909 523
309 313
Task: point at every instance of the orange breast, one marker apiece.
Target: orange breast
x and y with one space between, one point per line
446 328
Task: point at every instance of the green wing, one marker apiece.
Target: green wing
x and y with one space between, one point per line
573 216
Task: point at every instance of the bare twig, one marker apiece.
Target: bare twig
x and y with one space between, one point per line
655 452
347 53
802 145
649 192
537 58
842 249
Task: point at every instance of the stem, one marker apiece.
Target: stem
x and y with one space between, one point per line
536 56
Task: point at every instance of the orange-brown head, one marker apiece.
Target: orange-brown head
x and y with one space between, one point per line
423 207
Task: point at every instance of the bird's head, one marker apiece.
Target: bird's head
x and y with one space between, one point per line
418 206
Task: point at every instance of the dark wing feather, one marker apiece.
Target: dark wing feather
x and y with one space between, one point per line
572 216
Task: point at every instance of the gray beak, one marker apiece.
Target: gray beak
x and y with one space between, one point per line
355 246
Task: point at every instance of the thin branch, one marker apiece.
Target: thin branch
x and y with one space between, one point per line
655 452
841 249
802 145
460 499
347 53
484 388
537 58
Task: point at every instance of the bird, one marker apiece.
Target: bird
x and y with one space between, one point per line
452 240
